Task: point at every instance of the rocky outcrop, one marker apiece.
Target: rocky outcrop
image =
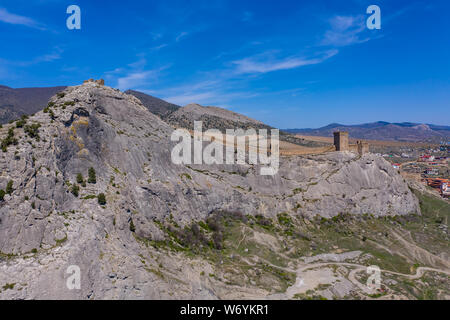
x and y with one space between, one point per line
46 227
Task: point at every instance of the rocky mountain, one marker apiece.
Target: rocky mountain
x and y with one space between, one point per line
381 130
89 182
17 102
154 105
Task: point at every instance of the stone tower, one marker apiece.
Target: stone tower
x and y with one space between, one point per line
341 141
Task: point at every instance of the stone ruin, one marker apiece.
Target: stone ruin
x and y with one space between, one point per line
341 143
100 81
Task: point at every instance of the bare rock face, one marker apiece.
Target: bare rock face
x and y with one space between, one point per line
45 226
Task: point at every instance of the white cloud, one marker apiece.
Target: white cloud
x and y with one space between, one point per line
265 64
134 76
157 48
49 57
12 18
345 30
135 79
180 36
184 99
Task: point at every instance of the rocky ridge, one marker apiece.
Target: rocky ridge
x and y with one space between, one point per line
45 226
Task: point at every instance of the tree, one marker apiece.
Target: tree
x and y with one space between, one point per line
132 226
92 176
80 178
9 187
75 190
2 194
101 199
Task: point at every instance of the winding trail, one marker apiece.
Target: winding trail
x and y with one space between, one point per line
358 268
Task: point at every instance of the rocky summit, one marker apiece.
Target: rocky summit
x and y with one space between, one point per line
89 182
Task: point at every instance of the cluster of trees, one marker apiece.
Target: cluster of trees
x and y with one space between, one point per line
9 190
92 178
209 233
32 130
9 140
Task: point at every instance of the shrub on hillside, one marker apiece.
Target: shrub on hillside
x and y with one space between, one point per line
76 190
101 199
92 176
9 187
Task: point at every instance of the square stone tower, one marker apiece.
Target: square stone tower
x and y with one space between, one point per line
341 141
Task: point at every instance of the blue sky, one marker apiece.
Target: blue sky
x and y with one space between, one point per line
291 64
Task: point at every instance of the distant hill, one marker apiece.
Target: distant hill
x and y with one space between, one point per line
16 102
155 105
381 130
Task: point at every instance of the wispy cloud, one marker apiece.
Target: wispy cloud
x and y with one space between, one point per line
207 92
265 63
11 18
345 30
49 57
157 48
135 79
181 36
134 76
184 99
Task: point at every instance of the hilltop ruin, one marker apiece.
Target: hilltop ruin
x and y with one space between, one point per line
341 144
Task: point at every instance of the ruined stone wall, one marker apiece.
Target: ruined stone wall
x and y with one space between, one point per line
341 141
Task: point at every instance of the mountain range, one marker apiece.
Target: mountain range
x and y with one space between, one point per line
17 102
26 101
382 130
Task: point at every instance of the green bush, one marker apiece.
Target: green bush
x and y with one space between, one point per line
76 190
32 130
9 187
9 140
20 123
92 176
2 194
132 226
80 178
101 199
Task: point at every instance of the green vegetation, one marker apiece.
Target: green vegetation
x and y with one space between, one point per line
80 178
9 187
9 286
2 194
9 140
185 175
132 226
88 197
33 131
61 241
75 190
101 199
92 178
20 123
